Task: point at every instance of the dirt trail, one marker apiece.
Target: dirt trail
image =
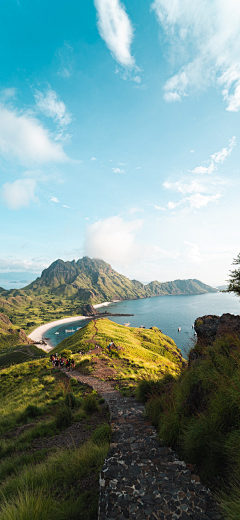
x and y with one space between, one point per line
93 336
141 478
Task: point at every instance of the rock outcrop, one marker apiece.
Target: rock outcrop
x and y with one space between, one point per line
208 328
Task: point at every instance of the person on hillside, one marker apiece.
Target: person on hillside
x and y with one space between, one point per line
68 364
72 363
61 362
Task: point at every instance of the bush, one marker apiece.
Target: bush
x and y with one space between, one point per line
73 382
64 418
66 353
90 404
70 400
148 387
102 434
30 412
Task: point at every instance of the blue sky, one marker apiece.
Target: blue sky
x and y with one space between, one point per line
119 136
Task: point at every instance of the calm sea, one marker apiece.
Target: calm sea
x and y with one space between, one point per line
165 312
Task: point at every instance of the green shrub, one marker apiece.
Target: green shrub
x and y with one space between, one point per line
73 382
63 417
101 400
30 412
90 404
70 400
148 387
102 434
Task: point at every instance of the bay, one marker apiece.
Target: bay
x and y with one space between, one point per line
165 312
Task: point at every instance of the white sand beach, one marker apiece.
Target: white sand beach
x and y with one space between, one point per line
40 332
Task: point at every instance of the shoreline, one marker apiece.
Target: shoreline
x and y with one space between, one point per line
39 333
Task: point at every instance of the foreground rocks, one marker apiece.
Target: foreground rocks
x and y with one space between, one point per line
141 478
208 328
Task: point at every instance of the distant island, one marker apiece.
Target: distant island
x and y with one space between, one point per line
65 287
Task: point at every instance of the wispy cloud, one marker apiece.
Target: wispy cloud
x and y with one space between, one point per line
217 158
208 32
116 30
50 104
20 193
158 207
184 187
198 197
93 159
173 205
23 137
54 199
118 170
199 201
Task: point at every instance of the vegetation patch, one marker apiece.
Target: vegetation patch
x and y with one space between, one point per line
50 454
198 414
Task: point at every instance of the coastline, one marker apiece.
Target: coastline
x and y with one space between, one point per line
39 333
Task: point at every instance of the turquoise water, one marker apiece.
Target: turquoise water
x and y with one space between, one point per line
165 312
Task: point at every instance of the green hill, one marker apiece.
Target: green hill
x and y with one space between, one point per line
64 287
141 353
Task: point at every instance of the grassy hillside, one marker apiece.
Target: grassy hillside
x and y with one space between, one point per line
53 440
10 335
141 353
198 413
15 346
64 287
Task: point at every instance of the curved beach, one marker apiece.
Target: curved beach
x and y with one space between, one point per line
39 333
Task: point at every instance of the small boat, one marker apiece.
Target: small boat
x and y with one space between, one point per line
126 324
195 334
56 332
179 328
78 328
192 326
69 330
142 327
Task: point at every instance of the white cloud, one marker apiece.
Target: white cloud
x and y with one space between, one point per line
137 79
15 264
20 193
159 207
50 104
172 205
206 34
181 187
113 240
192 252
24 138
53 199
8 93
131 211
93 159
217 158
198 201
138 168
118 170
116 30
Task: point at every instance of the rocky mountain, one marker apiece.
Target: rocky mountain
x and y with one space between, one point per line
64 287
92 280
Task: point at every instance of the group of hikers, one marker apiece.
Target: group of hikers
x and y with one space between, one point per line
61 362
